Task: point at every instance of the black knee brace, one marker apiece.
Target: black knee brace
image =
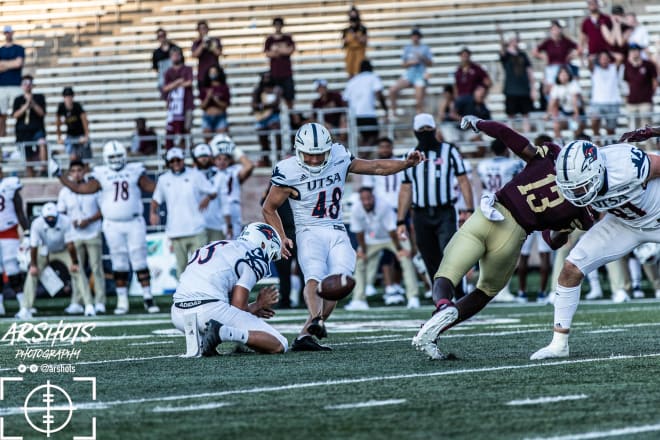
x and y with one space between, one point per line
120 276
143 275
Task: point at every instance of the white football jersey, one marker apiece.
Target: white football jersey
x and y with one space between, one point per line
219 207
79 207
215 269
121 197
51 239
496 172
317 201
385 187
230 183
626 196
8 188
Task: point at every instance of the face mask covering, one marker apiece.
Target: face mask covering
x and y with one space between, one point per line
426 139
213 77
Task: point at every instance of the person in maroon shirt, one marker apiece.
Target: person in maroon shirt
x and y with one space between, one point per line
642 78
468 76
178 92
214 99
329 100
278 48
206 49
556 51
591 36
494 234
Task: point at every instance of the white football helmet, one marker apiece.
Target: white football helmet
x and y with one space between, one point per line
114 155
265 237
222 144
201 150
580 172
313 138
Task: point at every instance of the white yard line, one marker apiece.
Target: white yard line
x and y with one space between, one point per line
367 404
542 400
601 434
152 343
330 383
171 409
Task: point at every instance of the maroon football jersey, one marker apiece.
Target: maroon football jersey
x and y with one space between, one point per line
534 200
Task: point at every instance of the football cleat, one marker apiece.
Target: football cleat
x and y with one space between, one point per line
413 303
150 307
308 343
428 334
620 296
74 309
356 305
23 315
391 299
99 308
638 293
211 338
317 328
89 310
594 294
550 352
522 297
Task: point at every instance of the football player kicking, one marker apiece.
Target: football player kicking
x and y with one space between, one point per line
313 181
123 225
495 233
621 181
230 269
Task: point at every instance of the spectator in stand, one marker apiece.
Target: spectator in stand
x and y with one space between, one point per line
279 47
12 57
472 105
160 59
266 109
354 38
617 36
72 114
30 112
360 93
566 107
639 35
605 94
329 100
467 77
207 50
642 78
518 80
555 51
179 94
592 40
416 58
447 115
145 141
215 98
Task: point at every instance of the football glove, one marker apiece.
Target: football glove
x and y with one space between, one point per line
470 122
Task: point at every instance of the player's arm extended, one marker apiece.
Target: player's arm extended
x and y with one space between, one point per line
275 198
89 187
514 141
385 167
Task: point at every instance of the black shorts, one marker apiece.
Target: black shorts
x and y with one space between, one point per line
371 125
288 87
518 105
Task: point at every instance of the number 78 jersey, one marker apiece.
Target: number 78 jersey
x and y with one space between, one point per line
317 198
534 199
121 198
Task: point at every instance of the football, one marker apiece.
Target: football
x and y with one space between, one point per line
336 287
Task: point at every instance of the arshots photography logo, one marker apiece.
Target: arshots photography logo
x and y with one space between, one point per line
48 408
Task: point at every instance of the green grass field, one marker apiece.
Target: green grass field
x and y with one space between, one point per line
372 386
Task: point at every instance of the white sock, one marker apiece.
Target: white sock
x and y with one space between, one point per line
566 304
559 339
594 281
635 268
146 292
122 291
233 334
19 298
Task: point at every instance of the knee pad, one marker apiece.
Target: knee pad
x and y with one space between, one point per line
143 275
121 276
16 282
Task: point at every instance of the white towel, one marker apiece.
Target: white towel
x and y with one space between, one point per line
487 208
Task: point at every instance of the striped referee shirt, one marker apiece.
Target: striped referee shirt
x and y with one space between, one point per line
432 179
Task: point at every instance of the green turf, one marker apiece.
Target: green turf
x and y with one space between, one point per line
285 396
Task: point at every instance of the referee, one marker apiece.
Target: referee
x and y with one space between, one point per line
428 188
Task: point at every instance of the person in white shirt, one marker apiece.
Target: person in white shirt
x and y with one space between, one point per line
187 194
605 93
360 93
566 107
234 168
51 239
374 223
85 215
120 185
217 216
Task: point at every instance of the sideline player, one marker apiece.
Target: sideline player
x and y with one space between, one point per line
313 181
494 234
124 227
230 269
620 180
11 216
